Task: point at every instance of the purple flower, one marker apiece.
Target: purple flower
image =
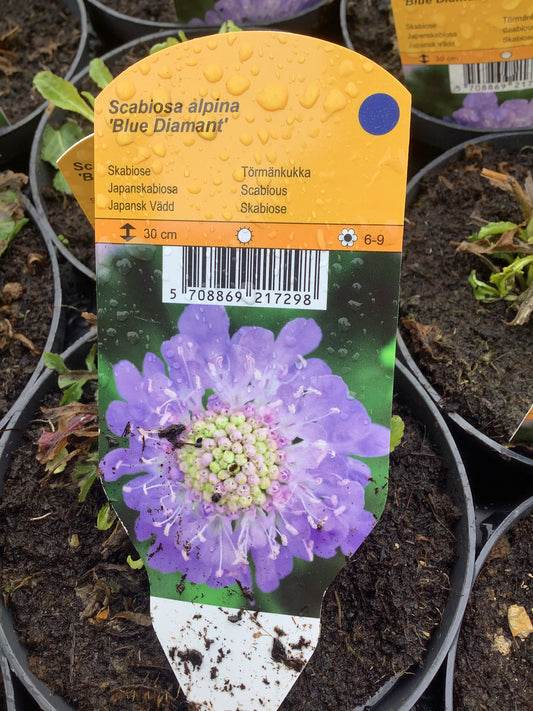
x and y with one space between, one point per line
248 11
483 111
244 450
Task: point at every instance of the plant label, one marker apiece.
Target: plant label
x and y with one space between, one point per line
524 432
249 201
77 167
468 62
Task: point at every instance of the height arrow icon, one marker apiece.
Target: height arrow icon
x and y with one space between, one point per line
127 229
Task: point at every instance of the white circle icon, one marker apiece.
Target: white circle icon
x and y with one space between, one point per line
244 235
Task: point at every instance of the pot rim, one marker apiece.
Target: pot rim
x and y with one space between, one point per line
133 25
10 645
425 125
78 9
397 694
412 191
56 334
402 694
521 511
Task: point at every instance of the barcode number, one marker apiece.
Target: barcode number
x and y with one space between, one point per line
237 276
491 76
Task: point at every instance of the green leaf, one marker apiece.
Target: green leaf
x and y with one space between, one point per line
229 26
135 564
99 73
85 473
58 463
493 228
8 230
105 518
3 118
482 291
62 93
397 428
73 393
90 360
89 98
61 184
56 142
169 42
11 212
506 280
53 361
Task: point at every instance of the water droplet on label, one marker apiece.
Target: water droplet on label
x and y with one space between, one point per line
346 68
310 95
122 315
133 337
125 89
237 84
245 51
274 96
111 332
123 266
344 324
213 72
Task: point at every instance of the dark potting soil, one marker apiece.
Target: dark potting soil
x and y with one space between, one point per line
35 35
493 670
151 10
83 613
480 365
371 27
26 310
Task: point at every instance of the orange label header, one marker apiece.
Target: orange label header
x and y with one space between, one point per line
251 127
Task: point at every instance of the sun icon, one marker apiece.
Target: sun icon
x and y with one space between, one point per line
244 235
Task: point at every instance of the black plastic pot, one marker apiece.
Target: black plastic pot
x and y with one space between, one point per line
16 139
115 28
6 685
521 511
402 694
485 458
56 334
425 129
398 694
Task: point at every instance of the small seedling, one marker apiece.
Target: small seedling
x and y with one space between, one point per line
506 248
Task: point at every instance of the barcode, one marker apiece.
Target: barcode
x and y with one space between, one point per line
280 278
510 75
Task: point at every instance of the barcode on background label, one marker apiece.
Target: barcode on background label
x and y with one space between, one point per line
491 76
244 276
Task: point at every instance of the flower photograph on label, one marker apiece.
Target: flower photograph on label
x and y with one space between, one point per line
244 452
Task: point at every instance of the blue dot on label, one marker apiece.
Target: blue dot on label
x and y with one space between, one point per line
379 114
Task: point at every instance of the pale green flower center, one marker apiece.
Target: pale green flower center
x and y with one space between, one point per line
236 461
